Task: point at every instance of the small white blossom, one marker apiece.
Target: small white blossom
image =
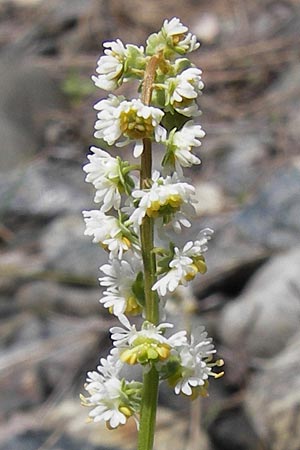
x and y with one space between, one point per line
130 119
110 66
129 336
119 278
173 27
183 90
108 395
147 346
179 145
108 124
126 336
195 363
103 171
185 264
182 42
167 198
108 232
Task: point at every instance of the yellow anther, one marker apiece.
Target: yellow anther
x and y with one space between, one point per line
200 264
135 127
174 200
193 272
132 306
129 356
164 351
126 411
177 38
126 241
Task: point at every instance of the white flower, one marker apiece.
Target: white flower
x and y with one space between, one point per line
182 42
114 67
173 27
180 143
195 363
185 264
146 345
167 198
119 278
110 67
131 119
108 124
108 232
126 336
103 171
183 90
108 395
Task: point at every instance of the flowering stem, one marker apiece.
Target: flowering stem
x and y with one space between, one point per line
151 378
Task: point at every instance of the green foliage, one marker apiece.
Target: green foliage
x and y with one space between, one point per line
76 87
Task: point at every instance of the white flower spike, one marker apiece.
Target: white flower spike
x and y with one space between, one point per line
133 219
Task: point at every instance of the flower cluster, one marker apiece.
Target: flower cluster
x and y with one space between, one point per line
134 208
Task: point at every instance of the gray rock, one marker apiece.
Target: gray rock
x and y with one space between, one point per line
45 189
244 239
28 96
36 438
69 253
273 219
267 314
239 167
273 399
44 297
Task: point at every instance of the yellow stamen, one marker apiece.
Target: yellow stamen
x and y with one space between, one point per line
126 411
191 275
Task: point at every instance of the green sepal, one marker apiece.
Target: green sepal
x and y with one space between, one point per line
171 370
135 62
155 44
138 289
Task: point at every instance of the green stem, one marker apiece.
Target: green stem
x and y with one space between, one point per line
148 410
151 378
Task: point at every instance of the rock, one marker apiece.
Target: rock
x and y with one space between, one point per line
45 189
171 430
41 354
245 238
20 389
33 439
232 430
273 399
28 97
73 343
273 218
69 253
207 28
239 159
16 264
44 297
20 145
210 198
267 314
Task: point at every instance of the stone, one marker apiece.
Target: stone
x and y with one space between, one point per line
69 253
28 97
267 313
247 237
232 430
16 264
210 198
44 297
273 399
36 438
272 220
239 159
207 28
44 189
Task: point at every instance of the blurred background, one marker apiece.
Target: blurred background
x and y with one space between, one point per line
52 327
